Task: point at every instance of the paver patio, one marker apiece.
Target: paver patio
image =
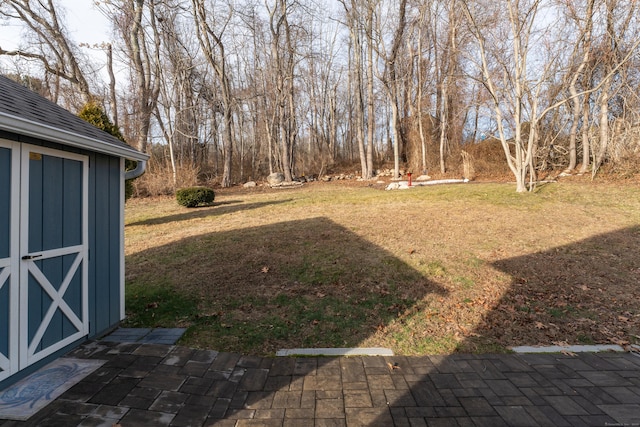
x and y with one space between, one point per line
166 385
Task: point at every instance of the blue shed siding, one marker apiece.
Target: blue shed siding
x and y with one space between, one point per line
56 189
104 243
104 235
5 194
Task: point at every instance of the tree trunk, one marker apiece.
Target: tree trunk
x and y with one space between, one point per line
586 145
576 104
604 127
371 122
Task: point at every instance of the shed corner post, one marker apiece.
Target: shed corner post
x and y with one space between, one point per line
122 263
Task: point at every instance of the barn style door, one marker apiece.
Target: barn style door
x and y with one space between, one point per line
9 259
53 255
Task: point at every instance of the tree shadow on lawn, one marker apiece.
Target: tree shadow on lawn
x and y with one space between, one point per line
215 209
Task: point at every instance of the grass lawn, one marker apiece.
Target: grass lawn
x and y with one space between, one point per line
431 270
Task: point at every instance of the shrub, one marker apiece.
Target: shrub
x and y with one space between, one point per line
194 196
94 114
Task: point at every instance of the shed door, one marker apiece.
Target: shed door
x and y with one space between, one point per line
53 251
9 259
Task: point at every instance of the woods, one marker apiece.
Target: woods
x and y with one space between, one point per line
224 91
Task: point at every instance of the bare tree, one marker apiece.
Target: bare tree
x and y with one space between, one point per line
49 43
113 95
419 66
320 76
179 100
371 122
390 79
213 47
520 93
618 15
447 84
136 24
356 75
283 61
582 54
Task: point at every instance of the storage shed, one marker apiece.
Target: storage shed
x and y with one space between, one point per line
61 230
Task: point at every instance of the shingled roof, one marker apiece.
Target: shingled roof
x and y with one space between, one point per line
26 113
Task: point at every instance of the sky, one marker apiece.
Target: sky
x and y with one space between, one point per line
84 23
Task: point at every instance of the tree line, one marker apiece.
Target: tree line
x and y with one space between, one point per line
238 89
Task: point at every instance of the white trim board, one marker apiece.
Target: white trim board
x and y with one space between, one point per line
566 348
45 132
371 351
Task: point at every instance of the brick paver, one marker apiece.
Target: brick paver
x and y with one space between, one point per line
151 384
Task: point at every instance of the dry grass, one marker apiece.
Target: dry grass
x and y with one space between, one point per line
472 267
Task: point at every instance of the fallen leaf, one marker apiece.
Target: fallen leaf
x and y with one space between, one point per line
393 366
619 341
265 269
540 325
569 353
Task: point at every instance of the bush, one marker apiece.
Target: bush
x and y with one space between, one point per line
94 114
194 196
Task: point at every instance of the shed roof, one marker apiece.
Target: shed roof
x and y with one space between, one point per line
26 113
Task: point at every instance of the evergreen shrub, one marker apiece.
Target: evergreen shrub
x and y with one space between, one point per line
194 196
94 114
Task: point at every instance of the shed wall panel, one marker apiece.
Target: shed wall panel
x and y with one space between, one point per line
5 205
115 236
104 241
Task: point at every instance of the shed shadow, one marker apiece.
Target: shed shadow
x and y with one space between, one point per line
582 293
306 283
236 388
